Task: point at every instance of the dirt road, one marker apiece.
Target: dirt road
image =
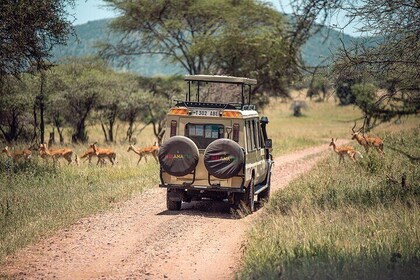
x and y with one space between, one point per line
141 240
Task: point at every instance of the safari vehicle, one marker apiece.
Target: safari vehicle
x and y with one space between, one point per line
216 145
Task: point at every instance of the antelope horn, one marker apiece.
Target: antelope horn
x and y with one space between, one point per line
352 129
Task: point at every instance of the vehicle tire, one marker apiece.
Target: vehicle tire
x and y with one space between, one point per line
178 156
172 205
249 197
224 158
265 194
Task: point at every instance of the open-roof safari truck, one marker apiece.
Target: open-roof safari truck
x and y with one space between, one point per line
216 145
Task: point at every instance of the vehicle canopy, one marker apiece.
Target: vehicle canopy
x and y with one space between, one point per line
233 92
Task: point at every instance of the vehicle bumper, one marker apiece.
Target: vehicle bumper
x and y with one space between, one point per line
212 188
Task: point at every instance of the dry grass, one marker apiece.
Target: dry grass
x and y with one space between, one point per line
319 123
34 195
351 221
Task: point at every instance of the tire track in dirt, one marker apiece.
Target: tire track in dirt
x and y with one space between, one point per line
140 239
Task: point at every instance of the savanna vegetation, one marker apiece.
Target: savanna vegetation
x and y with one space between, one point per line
26 38
353 221
344 221
39 198
38 193
339 221
69 97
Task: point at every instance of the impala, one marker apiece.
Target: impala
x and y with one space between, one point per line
344 150
102 154
55 154
152 150
89 154
367 141
18 154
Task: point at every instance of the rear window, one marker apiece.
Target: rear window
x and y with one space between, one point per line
204 134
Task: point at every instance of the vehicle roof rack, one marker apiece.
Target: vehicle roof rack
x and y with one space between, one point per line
231 106
221 79
189 104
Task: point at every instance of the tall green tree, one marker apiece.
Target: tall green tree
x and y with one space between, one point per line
245 37
115 89
132 108
16 103
28 31
82 82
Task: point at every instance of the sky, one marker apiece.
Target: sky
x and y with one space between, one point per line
88 10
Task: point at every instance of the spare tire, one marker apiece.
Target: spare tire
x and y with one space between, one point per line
224 158
178 156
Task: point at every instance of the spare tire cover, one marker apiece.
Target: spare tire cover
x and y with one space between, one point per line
178 156
223 158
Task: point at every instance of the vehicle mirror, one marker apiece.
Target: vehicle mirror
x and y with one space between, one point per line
268 143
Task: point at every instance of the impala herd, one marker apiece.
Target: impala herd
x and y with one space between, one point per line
67 154
104 154
365 141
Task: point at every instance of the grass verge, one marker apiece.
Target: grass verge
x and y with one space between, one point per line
36 199
350 221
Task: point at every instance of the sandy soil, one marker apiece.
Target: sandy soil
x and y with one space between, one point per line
140 239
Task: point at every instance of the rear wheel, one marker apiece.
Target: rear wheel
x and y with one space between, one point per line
171 204
249 197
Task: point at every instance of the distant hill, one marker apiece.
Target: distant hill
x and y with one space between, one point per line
318 47
90 33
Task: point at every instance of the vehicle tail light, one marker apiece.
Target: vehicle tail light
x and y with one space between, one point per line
174 125
231 114
179 111
235 135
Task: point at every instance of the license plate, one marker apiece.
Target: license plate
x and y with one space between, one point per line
205 113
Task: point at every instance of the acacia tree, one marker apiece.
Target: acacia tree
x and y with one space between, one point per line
28 31
109 103
207 37
57 106
157 98
15 105
82 83
132 108
390 54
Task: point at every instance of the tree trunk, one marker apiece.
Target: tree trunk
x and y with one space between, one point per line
130 130
42 108
42 121
60 131
14 128
35 136
51 140
104 130
80 133
111 131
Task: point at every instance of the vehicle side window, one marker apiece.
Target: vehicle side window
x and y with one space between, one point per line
249 137
260 137
255 134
